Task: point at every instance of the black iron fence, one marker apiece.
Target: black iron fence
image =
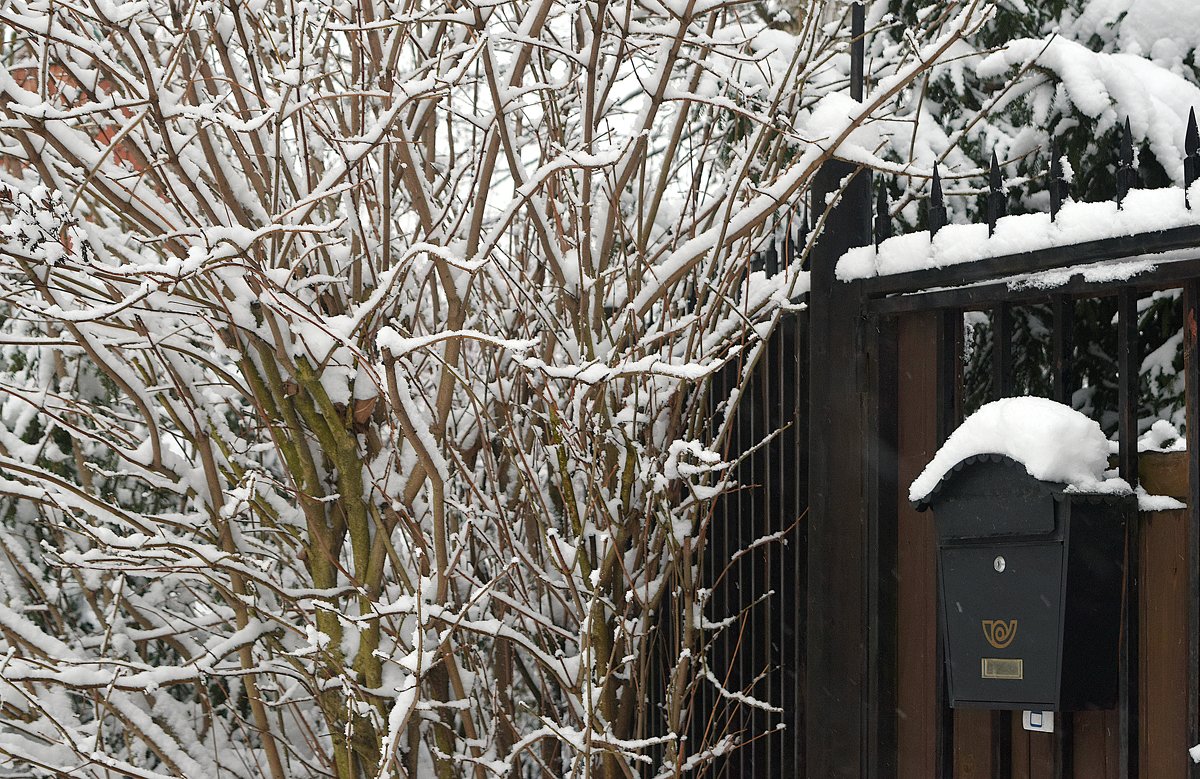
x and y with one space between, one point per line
816 640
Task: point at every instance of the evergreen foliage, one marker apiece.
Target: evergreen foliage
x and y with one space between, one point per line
1035 110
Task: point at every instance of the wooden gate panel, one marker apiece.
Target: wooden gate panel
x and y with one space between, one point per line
918 708
1034 755
1097 744
1164 614
1044 752
973 744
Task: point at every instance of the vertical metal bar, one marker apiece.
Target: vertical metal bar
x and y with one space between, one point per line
799 607
767 523
787 566
1059 189
1191 307
748 576
1062 346
1128 366
1003 386
949 381
730 582
729 521
949 415
1002 763
771 523
777 495
882 416
857 50
857 72
744 578
883 216
1003 380
759 754
761 517
1065 764
717 392
748 582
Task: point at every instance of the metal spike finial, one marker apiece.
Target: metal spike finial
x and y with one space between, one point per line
1126 175
937 204
858 26
883 216
802 241
772 261
1059 189
997 200
790 250
1191 159
1191 140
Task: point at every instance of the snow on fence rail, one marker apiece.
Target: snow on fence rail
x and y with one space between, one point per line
1131 212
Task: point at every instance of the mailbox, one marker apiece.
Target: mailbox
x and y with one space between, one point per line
1031 578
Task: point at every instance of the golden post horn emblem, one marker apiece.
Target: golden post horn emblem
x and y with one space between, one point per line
999 633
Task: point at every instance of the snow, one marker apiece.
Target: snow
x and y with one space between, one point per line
1054 442
1162 437
388 338
1164 30
1147 502
1143 211
499 445
1097 273
1110 88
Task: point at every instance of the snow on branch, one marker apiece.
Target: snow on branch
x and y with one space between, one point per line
355 374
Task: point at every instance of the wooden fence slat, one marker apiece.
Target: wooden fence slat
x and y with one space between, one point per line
973 744
1096 736
1021 768
1164 473
1191 343
1043 753
918 664
1034 755
1094 749
1164 613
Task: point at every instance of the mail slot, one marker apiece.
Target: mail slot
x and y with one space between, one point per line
1031 583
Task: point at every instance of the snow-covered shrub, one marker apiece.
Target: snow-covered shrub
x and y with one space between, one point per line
355 416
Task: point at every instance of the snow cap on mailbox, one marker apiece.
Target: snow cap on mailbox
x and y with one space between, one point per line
1053 442
1030 535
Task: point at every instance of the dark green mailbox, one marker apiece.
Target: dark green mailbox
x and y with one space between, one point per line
1031 577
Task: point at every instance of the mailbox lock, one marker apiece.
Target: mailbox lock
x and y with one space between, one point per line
998 564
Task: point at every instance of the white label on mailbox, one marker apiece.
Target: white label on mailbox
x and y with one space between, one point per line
1039 721
1002 668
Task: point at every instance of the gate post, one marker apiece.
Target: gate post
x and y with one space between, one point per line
836 703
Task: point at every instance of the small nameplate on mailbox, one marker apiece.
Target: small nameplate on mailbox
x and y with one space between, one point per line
1003 668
